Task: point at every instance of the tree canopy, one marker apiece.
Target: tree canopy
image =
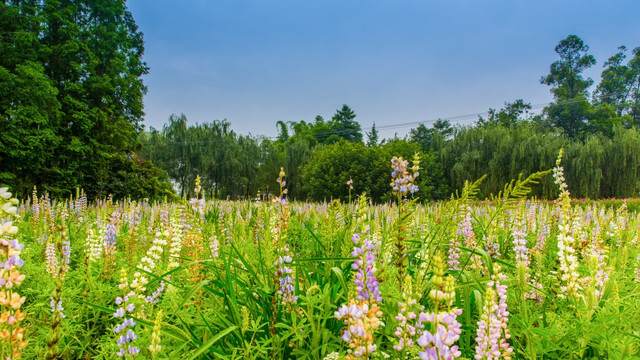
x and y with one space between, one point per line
71 98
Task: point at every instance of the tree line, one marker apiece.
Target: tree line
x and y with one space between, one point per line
71 116
598 131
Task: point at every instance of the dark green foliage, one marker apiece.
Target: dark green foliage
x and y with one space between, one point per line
327 172
228 164
137 178
70 96
329 169
596 167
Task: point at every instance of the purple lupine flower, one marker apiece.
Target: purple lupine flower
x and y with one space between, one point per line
520 246
154 298
125 341
360 321
57 307
401 181
492 327
406 329
285 282
367 285
110 233
440 344
542 238
454 254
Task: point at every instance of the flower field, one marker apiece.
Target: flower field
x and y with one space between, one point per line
509 278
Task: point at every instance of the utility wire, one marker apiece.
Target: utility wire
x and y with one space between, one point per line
457 118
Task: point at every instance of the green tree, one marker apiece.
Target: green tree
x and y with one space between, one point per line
432 139
326 173
344 125
80 64
570 90
511 114
619 88
372 136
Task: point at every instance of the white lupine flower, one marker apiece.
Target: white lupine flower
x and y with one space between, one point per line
4 193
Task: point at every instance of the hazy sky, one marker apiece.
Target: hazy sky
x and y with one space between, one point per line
254 62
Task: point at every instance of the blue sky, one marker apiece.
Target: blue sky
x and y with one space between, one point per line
254 62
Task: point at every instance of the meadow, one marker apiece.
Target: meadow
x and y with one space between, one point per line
505 278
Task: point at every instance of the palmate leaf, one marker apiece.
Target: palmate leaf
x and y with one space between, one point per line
518 189
471 189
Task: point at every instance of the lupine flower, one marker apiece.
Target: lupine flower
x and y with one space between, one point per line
361 317
541 239
367 286
286 290
11 333
155 346
175 244
66 256
125 328
360 320
35 206
213 246
406 329
566 251
401 181
154 298
93 246
465 230
492 327
438 342
520 246
57 307
148 263
454 253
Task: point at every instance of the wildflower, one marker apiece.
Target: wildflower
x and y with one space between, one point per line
465 230
401 181
125 307
520 246
361 320
154 298
492 327
57 306
286 290
213 246
53 266
566 251
438 342
175 245
148 263
93 245
155 346
11 333
406 330
361 316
